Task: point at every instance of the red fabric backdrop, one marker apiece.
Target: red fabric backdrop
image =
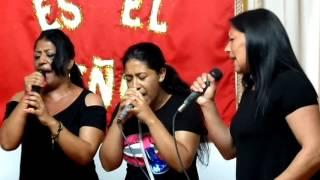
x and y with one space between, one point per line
193 39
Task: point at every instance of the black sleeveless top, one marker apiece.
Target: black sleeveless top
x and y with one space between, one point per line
42 160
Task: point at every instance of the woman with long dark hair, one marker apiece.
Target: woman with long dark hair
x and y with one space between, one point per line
275 131
59 124
155 91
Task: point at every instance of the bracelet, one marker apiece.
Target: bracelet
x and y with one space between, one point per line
54 137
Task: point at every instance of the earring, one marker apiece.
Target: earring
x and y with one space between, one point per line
161 78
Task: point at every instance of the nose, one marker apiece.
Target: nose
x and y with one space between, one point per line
40 61
136 83
44 59
227 48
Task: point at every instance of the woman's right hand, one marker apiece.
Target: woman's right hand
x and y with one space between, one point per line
140 107
33 79
33 101
199 85
126 101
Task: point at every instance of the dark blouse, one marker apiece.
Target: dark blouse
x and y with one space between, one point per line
42 160
265 144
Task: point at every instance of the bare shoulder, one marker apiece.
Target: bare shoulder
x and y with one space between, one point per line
18 96
305 112
93 99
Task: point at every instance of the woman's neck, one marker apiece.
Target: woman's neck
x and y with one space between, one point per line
59 92
161 100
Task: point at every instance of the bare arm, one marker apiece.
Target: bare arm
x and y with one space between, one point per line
111 149
111 158
82 148
305 124
187 143
12 129
218 132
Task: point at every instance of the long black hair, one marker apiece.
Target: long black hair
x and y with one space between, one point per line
64 54
151 55
269 51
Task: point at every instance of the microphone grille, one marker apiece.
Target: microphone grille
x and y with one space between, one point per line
216 73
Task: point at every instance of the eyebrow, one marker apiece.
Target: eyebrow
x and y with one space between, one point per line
46 50
142 72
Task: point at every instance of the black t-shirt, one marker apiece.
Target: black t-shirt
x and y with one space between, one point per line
190 120
40 160
266 145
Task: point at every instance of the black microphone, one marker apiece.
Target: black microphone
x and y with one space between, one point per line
216 74
36 88
124 113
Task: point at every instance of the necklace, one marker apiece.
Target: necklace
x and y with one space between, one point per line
163 102
57 97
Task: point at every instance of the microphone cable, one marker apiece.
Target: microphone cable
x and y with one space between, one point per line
130 149
151 177
146 162
176 145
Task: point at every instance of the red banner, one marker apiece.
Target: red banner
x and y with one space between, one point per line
191 34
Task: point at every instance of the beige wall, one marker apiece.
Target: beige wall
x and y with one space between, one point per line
302 21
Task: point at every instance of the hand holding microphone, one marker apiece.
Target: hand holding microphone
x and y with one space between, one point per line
37 88
131 95
124 113
34 83
135 104
35 104
216 74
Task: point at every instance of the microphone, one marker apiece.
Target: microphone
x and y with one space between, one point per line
124 113
216 73
35 88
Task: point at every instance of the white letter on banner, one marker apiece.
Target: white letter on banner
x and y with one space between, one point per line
125 14
154 24
68 7
41 13
102 75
